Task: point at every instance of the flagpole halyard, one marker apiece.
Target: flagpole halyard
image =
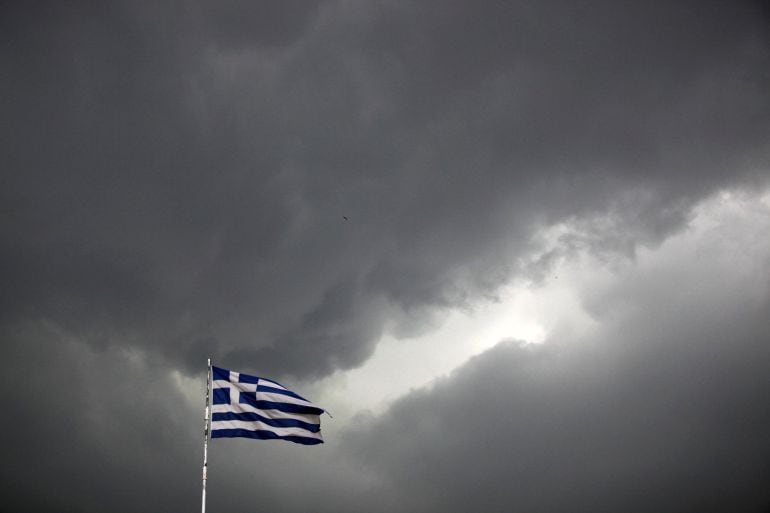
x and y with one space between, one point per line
206 436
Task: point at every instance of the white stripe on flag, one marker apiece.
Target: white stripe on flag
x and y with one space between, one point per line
268 383
259 426
281 398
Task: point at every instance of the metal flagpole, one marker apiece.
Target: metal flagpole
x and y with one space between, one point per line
206 436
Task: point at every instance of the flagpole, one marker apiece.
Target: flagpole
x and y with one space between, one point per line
206 436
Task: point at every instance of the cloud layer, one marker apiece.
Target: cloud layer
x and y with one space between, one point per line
282 186
660 406
180 176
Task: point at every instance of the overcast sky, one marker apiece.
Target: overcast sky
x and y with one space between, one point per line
520 250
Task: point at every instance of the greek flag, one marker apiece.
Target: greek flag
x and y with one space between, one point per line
252 407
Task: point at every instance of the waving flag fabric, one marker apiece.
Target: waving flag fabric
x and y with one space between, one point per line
252 407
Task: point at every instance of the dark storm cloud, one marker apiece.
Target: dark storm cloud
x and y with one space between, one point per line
94 431
282 184
240 24
179 173
662 407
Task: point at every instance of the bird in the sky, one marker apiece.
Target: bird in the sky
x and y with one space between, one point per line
345 218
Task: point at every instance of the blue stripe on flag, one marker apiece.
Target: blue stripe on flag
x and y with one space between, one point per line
250 399
255 417
263 435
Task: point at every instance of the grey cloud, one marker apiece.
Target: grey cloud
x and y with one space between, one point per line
93 431
339 333
174 182
660 407
240 24
177 173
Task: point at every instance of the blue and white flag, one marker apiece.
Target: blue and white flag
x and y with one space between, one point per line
252 407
